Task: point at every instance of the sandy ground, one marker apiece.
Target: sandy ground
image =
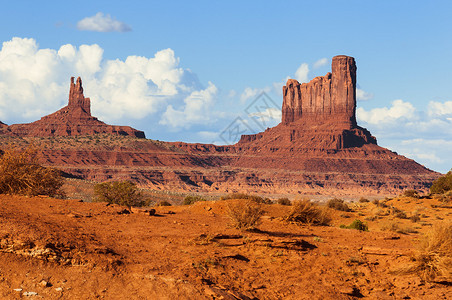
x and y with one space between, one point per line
67 249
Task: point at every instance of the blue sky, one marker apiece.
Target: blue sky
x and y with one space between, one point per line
185 70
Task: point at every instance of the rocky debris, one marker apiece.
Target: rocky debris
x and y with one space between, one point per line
73 119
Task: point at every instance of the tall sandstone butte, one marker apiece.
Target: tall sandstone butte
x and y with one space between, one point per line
327 99
73 119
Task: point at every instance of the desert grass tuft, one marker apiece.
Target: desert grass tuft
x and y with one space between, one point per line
433 261
306 212
245 214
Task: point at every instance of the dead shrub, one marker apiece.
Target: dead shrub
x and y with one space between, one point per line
433 262
284 201
245 214
411 193
21 174
338 204
306 212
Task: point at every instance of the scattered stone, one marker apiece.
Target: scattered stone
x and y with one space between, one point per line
59 289
29 294
44 283
17 290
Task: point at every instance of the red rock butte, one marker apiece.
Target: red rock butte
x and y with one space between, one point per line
317 148
73 119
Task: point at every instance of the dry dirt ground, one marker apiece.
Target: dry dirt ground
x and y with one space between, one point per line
67 249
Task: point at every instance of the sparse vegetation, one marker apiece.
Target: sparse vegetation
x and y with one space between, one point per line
164 203
356 224
434 259
255 198
21 174
411 193
338 204
118 192
245 214
442 184
306 212
284 201
192 199
363 200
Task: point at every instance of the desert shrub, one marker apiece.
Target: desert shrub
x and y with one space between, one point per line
164 203
255 198
434 258
192 199
338 204
21 174
357 224
363 200
245 214
411 193
442 184
445 198
306 212
415 218
118 192
398 213
284 201
379 203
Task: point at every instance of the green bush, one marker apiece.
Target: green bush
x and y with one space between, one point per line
357 224
118 192
192 199
21 174
284 201
442 184
338 204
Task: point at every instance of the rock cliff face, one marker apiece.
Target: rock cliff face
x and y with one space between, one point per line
328 99
73 119
319 114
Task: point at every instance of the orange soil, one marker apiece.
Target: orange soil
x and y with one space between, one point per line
66 249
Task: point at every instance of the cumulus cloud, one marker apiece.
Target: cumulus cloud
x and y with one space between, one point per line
320 63
363 95
398 110
440 109
251 93
102 23
34 82
301 74
197 109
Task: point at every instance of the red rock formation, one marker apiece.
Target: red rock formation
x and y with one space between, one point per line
317 148
317 115
73 119
327 99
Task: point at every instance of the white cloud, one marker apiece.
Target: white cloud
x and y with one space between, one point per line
302 73
362 95
102 23
398 110
320 63
440 109
250 93
270 114
197 109
35 82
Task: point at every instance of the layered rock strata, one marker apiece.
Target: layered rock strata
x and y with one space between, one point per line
73 119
